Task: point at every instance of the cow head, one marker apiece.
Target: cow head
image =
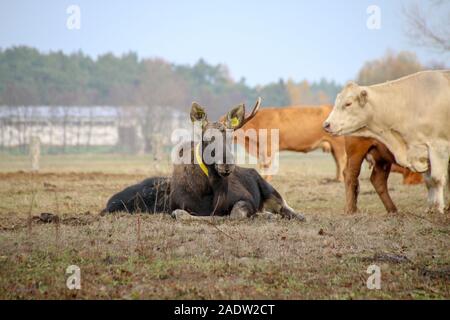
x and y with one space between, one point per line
351 111
216 146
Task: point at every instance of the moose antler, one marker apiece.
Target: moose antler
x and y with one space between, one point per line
254 112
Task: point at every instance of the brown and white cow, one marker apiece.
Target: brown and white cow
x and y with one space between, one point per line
411 116
300 130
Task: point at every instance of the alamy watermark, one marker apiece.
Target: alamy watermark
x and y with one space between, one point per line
374 20
218 147
374 280
74 279
73 21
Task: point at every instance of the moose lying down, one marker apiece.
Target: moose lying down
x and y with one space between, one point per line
209 182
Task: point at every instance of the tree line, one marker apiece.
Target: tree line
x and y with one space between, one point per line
30 77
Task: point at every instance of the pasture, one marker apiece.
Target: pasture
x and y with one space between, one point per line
154 256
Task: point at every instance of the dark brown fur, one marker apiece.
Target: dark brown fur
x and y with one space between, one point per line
228 188
150 196
194 192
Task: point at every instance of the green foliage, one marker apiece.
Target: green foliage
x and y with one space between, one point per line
275 94
389 67
329 89
29 77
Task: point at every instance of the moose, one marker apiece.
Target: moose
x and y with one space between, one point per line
151 195
209 182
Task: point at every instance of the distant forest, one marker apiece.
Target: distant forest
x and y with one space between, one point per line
29 77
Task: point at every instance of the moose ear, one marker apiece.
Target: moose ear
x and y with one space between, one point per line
363 98
198 113
235 117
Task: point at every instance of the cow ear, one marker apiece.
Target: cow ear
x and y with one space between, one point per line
363 98
235 117
198 113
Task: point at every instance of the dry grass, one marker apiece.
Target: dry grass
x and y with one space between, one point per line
145 256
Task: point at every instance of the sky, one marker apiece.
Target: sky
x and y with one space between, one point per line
261 41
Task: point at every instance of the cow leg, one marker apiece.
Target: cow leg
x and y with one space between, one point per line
351 175
265 164
431 190
411 178
435 193
379 178
448 185
340 157
266 168
436 177
265 159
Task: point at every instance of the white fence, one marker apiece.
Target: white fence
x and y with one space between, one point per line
130 128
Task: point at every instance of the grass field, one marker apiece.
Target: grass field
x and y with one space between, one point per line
153 256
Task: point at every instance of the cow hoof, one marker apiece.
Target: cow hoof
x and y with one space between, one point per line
392 211
351 211
434 210
180 215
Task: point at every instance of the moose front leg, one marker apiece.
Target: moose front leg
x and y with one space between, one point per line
276 204
183 215
242 209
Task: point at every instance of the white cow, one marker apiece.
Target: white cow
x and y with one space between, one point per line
411 116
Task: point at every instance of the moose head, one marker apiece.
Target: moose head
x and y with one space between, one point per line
214 152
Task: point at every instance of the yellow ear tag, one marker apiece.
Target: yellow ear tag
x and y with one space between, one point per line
234 122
